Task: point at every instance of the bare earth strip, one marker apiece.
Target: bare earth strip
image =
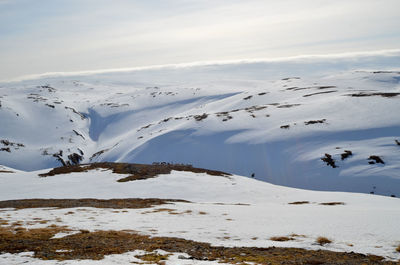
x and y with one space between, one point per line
97 203
94 245
135 171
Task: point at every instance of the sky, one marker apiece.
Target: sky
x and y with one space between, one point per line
39 36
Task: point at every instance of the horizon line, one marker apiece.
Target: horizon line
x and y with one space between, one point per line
343 55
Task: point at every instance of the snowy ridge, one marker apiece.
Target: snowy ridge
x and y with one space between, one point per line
254 118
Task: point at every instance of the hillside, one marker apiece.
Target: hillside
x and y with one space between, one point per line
87 215
315 124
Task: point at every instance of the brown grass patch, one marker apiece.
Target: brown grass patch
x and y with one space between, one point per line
94 245
169 211
153 257
160 210
135 171
72 203
202 213
163 210
299 202
332 203
323 241
6 171
398 248
297 235
17 223
224 238
281 238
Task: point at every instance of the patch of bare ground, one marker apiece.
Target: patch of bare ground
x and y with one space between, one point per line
281 238
346 154
314 121
332 203
97 203
152 258
299 202
323 241
386 72
398 248
376 159
200 117
385 95
6 171
288 106
94 245
135 171
169 211
319 93
329 160
297 235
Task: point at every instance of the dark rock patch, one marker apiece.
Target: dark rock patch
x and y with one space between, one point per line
314 122
376 159
385 95
329 160
346 154
319 93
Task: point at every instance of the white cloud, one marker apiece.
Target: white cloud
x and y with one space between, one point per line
320 63
78 35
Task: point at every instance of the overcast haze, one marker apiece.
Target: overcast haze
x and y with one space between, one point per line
75 35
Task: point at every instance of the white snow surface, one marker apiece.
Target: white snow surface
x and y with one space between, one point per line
227 211
154 115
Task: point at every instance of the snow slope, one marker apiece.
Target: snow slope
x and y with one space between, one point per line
275 120
227 211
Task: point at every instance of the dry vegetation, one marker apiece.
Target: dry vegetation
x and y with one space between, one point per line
72 203
323 241
135 171
94 245
167 210
285 238
281 238
152 258
299 202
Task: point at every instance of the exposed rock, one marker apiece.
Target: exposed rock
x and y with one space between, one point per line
377 159
75 158
346 154
329 160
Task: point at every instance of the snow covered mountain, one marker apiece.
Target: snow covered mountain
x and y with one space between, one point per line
323 124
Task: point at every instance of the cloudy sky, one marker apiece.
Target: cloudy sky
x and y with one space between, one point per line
38 36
